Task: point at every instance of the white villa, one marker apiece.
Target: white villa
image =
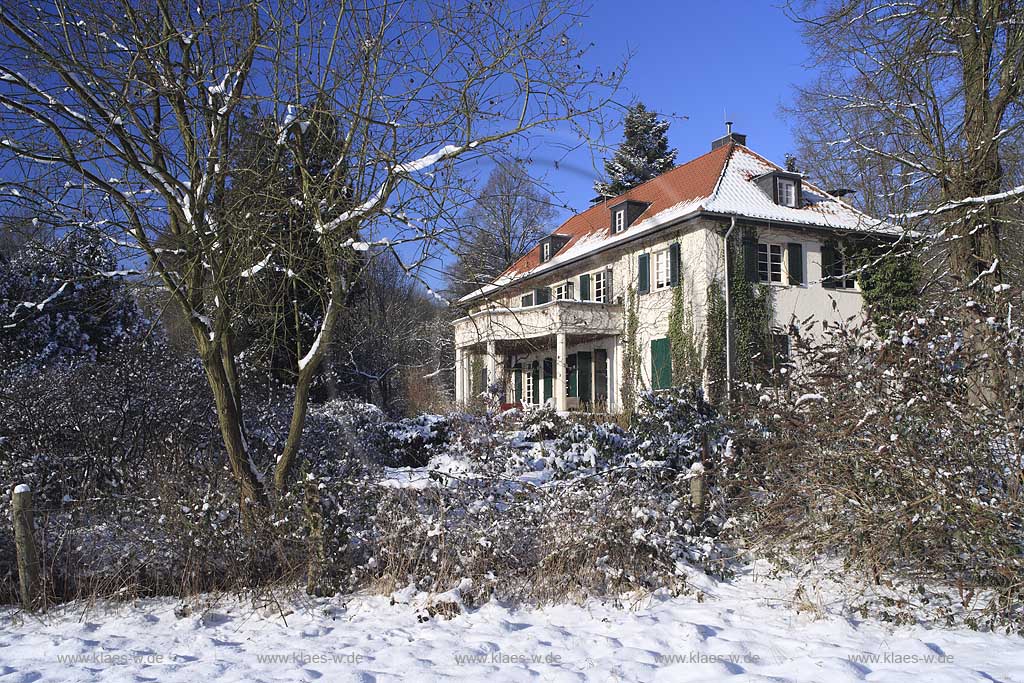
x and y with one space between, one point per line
551 328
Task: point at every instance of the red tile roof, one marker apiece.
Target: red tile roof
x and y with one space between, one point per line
689 181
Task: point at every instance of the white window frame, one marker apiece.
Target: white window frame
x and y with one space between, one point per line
661 273
528 387
599 282
546 251
775 269
790 186
841 279
620 221
563 291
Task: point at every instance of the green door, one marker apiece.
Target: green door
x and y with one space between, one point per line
661 364
584 376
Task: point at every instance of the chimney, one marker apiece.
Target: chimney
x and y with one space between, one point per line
729 137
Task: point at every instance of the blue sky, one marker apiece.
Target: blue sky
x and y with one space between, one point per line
693 59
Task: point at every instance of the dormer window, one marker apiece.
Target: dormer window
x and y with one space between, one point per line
787 192
625 213
550 245
782 187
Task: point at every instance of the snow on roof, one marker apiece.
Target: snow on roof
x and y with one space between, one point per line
721 181
738 194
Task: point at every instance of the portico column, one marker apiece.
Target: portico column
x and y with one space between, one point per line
613 377
560 368
491 363
460 378
620 351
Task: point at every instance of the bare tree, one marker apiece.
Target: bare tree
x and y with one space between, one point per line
510 215
386 335
919 105
120 116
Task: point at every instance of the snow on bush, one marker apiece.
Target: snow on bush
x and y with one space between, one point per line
586 513
901 456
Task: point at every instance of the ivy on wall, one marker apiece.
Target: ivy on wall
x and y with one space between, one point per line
684 345
752 313
714 353
889 283
632 360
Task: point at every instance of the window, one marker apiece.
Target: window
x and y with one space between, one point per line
843 279
545 252
564 291
662 271
601 279
532 382
787 192
620 220
527 300
769 262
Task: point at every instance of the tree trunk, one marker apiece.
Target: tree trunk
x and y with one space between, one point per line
291 447
229 418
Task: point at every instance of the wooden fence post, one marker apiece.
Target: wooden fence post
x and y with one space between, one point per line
696 477
25 546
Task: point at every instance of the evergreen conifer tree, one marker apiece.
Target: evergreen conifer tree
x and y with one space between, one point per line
642 155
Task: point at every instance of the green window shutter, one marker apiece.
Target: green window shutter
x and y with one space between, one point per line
536 382
518 374
644 265
584 287
661 363
570 362
549 372
584 376
750 259
828 264
795 263
673 264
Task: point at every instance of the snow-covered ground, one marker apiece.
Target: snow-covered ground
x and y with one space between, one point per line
750 629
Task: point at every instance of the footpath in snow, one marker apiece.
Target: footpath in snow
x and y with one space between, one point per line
736 630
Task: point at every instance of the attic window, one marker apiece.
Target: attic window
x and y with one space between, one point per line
624 214
545 253
787 192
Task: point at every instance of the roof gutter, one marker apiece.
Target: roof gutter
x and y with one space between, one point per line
805 226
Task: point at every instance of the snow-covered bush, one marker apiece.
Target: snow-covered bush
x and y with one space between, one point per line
582 514
902 456
63 301
674 425
83 428
414 440
540 424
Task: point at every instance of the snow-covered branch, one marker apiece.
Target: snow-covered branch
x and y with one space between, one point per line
982 200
